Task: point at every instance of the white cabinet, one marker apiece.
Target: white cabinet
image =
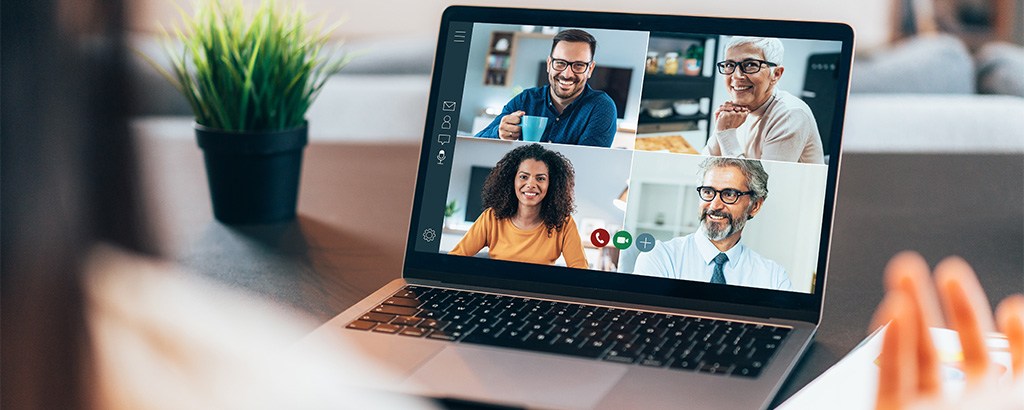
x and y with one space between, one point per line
664 208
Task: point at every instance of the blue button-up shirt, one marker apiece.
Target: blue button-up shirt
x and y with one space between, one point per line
589 120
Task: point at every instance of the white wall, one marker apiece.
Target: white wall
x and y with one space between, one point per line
786 230
788 227
872 19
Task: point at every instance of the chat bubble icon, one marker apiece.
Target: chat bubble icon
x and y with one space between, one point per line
444 138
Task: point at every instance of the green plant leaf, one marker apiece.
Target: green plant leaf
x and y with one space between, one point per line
250 70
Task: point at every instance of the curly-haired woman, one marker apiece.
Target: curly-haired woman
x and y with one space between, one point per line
528 201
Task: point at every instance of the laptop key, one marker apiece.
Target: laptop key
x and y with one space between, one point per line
622 337
377 317
565 330
684 364
396 310
563 321
402 302
624 353
715 368
652 362
413 331
573 347
482 334
440 335
510 324
407 320
514 335
387 328
746 371
452 332
623 327
619 359
361 325
432 314
592 333
430 324
490 337
459 318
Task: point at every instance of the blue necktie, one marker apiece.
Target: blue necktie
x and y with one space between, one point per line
718 276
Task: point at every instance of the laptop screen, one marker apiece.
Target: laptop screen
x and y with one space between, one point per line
677 156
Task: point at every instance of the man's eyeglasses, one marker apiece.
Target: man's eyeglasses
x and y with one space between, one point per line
748 66
578 67
728 195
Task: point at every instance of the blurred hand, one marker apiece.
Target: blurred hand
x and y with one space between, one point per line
909 363
729 116
509 128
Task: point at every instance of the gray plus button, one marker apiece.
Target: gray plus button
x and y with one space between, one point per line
645 242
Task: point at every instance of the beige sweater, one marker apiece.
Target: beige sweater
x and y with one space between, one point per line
781 129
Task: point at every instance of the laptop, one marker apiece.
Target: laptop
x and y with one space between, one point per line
580 174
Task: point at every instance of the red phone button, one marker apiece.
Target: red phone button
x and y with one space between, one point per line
600 237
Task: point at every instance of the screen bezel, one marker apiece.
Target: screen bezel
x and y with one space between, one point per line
624 287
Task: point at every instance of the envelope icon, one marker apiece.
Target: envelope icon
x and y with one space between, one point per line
448 106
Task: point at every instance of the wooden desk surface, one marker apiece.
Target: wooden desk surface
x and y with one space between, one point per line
355 203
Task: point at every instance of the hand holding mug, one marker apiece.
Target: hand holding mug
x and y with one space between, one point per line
909 365
509 128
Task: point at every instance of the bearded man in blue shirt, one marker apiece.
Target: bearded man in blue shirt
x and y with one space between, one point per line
576 113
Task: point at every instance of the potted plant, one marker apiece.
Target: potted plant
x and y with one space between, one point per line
250 76
694 57
450 209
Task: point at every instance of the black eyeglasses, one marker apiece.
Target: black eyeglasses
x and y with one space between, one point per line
578 67
728 195
748 66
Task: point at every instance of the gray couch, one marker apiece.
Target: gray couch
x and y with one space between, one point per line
927 94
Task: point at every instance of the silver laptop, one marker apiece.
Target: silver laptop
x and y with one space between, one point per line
615 211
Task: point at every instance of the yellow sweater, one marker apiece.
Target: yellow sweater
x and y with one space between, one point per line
507 242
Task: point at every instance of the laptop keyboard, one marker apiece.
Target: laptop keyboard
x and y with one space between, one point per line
685 343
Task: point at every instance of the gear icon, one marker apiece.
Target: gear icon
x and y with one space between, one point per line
429 234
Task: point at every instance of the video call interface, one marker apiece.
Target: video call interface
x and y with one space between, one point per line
695 157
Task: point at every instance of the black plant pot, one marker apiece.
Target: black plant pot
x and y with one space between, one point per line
253 176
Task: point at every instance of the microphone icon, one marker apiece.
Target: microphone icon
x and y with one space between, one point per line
440 157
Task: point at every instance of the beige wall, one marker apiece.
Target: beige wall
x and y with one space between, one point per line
398 18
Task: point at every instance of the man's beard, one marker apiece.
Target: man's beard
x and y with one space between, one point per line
558 92
715 233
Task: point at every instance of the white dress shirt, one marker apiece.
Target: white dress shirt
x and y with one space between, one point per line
691 257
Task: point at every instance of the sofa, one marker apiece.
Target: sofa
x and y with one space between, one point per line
925 94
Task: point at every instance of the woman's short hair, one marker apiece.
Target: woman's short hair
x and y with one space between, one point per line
558 204
771 47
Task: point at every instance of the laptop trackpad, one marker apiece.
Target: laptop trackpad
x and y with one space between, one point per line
511 377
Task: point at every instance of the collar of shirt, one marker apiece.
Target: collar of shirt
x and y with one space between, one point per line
708 251
551 103
764 107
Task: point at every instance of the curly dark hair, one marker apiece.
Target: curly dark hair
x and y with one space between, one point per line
499 194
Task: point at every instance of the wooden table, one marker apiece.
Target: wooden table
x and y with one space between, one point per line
355 203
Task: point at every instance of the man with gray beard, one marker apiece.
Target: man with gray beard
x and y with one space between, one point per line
732 191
